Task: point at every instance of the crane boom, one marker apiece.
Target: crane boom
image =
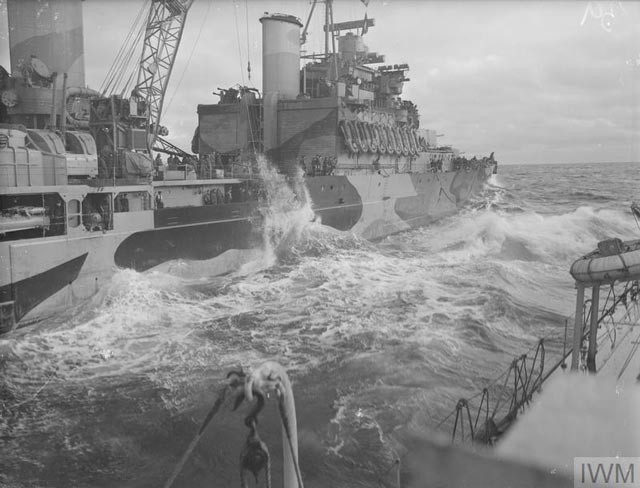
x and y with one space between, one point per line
161 41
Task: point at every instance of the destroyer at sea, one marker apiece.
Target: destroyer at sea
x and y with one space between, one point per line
79 194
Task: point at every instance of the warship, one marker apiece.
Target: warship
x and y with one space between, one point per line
81 194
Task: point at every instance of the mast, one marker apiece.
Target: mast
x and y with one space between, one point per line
328 31
327 7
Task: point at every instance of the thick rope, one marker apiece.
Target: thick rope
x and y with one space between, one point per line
285 425
216 406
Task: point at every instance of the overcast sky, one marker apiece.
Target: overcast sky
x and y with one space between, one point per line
533 81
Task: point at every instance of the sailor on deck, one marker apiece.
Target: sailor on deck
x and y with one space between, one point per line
159 167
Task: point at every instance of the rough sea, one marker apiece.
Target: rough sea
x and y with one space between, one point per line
380 338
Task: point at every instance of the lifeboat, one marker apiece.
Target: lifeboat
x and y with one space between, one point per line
613 260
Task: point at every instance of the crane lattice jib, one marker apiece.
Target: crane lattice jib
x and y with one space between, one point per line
162 38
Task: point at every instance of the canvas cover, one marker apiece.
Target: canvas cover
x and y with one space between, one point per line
137 164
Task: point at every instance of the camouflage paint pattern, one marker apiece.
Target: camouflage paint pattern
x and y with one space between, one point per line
376 205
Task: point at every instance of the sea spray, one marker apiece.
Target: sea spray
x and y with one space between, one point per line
382 340
286 212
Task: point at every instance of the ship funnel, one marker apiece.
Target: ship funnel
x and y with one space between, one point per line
51 33
281 55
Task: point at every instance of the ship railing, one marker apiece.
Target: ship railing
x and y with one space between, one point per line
485 416
111 182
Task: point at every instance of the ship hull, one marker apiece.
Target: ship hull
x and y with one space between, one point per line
44 275
375 206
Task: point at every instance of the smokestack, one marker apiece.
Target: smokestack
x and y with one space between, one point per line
281 55
50 30
280 69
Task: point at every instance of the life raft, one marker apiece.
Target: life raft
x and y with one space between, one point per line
362 136
416 141
397 142
405 142
349 137
613 260
382 143
388 138
371 137
410 146
413 143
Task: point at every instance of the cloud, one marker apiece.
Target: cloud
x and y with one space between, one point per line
534 81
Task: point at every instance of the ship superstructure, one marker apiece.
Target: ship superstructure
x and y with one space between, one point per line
81 195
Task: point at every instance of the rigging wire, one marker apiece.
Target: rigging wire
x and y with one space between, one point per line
246 14
127 65
119 54
629 358
129 82
193 48
124 63
123 57
235 13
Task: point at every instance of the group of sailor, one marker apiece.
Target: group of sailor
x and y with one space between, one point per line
217 196
245 192
461 163
206 166
319 165
188 163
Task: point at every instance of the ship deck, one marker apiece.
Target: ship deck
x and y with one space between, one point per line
214 181
623 363
580 415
